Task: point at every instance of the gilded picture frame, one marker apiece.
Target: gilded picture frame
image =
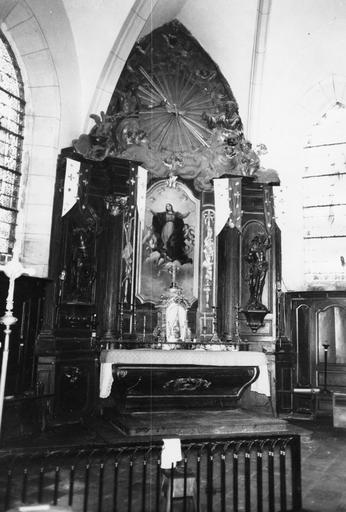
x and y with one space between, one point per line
168 242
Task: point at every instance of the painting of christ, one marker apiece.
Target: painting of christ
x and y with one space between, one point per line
169 242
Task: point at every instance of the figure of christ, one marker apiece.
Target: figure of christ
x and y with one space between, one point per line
168 228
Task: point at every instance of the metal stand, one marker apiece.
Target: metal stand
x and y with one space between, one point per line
325 390
13 269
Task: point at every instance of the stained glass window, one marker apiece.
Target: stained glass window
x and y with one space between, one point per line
324 185
11 140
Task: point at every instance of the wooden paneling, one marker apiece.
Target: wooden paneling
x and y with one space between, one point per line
313 319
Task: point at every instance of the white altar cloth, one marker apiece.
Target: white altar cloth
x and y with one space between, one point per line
183 357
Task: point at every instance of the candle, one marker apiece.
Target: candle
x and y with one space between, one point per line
173 274
144 322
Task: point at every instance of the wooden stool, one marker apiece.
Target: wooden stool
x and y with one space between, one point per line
305 401
178 487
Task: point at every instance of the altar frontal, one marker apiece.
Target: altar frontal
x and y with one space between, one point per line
181 379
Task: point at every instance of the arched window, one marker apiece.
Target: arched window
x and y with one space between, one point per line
11 141
325 200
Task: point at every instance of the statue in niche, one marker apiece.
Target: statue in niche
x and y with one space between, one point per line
82 270
172 318
258 267
176 322
168 236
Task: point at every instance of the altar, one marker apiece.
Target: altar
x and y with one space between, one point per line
145 379
168 264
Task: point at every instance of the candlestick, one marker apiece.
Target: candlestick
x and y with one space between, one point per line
204 324
144 324
214 320
121 323
134 315
325 346
173 274
13 269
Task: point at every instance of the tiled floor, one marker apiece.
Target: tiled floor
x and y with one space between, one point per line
323 457
324 468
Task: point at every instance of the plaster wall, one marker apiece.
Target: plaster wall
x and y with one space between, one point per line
304 74
95 26
72 53
225 29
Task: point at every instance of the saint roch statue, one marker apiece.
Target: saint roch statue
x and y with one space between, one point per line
258 267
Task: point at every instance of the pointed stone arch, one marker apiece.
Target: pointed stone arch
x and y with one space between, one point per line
131 29
42 127
323 182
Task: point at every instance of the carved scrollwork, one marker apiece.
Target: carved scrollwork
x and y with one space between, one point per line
72 374
121 374
116 204
186 384
173 111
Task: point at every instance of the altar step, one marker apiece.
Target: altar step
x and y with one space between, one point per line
199 423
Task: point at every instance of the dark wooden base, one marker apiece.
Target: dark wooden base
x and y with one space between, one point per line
184 423
140 388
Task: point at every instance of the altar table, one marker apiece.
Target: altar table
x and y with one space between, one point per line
192 375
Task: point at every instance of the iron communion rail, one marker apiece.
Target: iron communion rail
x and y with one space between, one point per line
216 474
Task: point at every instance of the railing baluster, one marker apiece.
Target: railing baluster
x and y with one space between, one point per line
100 496
271 494
86 487
185 485
210 470
137 470
71 486
24 485
247 488
296 474
144 483
259 469
129 495
56 485
235 480
283 504
223 482
40 485
8 489
171 487
115 486
158 483
198 476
